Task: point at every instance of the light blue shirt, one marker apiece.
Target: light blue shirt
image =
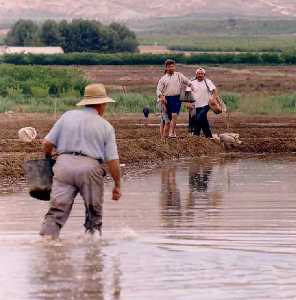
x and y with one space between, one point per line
86 132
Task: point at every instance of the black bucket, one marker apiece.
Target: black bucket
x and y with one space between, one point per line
39 175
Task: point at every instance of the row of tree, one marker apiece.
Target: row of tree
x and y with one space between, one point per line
75 36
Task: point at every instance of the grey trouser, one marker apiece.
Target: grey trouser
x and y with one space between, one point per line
73 175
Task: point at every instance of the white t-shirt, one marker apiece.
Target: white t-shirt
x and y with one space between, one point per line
200 92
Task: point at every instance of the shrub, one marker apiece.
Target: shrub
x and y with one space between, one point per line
148 59
12 92
39 92
39 81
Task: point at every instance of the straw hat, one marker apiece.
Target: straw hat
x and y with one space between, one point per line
95 94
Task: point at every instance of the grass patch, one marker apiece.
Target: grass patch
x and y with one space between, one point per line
286 103
264 104
135 102
132 102
29 104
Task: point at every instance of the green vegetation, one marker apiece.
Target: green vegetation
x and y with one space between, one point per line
134 103
129 103
20 82
231 100
88 59
30 104
247 43
45 89
76 36
191 25
149 59
235 44
260 103
197 34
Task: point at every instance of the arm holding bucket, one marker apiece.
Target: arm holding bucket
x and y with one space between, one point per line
47 147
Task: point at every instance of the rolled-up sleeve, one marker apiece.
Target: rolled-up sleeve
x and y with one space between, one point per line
111 152
55 131
160 88
185 80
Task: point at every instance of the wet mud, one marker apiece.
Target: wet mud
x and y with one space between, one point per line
140 145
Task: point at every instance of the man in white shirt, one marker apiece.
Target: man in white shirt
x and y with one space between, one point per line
202 89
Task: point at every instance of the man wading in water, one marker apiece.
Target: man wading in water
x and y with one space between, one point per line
83 139
168 92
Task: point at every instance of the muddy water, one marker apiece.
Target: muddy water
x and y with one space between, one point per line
191 230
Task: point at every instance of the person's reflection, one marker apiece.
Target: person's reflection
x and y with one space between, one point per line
170 194
116 283
199 179
199 176
61 272
170 198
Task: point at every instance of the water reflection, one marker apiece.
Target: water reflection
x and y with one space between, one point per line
170 193
63 271
199 176
222 230
181 202
170 198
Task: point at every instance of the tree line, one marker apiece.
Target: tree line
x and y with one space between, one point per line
75 36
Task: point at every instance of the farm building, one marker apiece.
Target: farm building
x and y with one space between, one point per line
31 50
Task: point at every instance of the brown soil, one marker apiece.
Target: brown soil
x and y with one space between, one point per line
242 79
140 145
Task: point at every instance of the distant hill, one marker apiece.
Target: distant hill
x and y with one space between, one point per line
107 10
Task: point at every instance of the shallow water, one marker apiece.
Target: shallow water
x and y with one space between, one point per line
192 230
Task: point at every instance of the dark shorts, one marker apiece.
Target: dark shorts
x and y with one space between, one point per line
173 105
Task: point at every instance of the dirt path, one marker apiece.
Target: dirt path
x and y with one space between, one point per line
141 145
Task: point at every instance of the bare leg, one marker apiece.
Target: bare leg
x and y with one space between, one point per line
173 124
161 129
166 130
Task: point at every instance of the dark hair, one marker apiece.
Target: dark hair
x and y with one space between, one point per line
169 62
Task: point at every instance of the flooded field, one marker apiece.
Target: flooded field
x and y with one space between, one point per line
209 229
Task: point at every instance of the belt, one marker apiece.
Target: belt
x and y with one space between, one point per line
100 160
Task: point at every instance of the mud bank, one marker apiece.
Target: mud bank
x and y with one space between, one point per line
140 145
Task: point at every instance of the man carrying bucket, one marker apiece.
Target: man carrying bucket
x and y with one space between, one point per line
83 140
